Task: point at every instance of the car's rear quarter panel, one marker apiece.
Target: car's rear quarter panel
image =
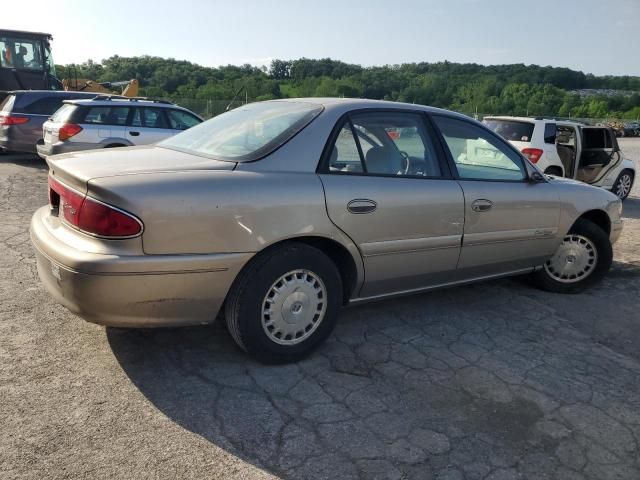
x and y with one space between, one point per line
220 211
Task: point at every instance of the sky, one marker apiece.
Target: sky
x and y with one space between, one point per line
595 36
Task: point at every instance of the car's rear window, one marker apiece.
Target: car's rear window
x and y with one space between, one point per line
64 113
515 131
7 103
246 133
44 106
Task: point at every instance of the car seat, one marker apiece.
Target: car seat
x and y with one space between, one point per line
383 160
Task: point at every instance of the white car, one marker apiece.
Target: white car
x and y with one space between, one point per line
569 149
108 121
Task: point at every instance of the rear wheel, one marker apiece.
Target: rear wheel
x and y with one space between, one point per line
581 260
622 185
285 303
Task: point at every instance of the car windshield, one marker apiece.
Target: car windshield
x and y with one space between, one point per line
516 131
246 133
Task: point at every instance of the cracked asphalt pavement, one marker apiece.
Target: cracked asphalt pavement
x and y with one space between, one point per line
491 381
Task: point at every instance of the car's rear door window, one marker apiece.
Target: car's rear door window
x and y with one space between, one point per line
107 115
44 106
477 154
344 156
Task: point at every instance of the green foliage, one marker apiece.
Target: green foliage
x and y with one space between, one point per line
505 89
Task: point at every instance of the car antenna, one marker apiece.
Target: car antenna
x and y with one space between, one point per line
234 98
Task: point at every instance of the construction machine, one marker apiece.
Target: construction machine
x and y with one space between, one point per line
26 64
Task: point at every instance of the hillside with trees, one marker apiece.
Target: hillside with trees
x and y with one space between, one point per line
498 89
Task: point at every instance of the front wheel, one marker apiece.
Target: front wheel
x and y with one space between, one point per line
581 260
285 303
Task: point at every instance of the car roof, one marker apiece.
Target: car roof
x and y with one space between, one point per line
98 102
349 104
24 33
127 102
119 102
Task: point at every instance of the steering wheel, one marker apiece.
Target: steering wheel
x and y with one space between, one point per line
407 162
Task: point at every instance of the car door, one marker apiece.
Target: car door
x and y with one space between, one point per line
387 188
148 125
511 222
105 123
599 153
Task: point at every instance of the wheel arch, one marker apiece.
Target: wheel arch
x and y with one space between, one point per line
350 271
597 216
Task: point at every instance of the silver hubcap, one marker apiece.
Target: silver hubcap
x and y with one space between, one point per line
574 260
294 307
624 186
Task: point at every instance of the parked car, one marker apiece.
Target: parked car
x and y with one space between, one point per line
632 129
281 212
107 121
23 112
570 149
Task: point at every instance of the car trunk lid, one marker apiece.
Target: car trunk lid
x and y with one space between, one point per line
77 168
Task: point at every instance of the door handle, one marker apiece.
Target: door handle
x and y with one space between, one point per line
481 205
134 134
361 205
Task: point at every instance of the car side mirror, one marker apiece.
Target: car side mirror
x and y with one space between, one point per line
536 177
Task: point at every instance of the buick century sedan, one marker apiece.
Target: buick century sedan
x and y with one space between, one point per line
277 214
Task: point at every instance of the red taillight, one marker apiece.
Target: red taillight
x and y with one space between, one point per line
11 120
533 154
89 215
68 130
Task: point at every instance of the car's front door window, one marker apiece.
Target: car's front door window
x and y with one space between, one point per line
181 120
478 154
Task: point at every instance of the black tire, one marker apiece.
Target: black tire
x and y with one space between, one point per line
600 240
557 171
615 187
115 145
243 307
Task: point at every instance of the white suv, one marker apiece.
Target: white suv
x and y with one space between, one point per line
108 121
569 149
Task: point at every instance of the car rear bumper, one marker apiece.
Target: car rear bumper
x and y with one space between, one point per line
133 290
48 149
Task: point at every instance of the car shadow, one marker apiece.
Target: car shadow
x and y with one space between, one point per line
631 208
29 160
415 387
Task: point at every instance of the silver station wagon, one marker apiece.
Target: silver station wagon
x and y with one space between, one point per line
277 214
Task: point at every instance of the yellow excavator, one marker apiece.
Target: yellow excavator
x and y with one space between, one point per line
26 64
129 89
